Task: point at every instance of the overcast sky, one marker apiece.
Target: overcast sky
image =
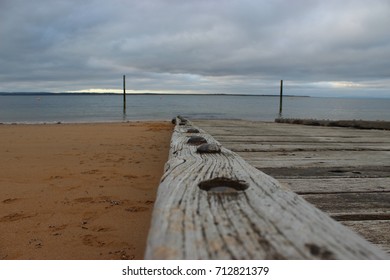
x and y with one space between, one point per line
319 48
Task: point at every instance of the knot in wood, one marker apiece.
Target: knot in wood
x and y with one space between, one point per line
223 186
183 121
319 252
211 148
196 140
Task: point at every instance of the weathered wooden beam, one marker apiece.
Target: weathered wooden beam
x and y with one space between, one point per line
217 206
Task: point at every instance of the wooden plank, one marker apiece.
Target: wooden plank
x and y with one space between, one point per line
353 206
241 127
296 147
264 221
319 161
316 158
263 136
376 232
337 185
332 139
342 123
327 172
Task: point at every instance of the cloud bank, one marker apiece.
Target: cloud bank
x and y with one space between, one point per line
317 47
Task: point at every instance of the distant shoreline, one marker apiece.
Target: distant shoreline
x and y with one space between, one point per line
137 94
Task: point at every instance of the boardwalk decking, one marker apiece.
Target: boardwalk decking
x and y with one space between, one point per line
212 204
343 171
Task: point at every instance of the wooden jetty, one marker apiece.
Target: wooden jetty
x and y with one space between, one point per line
343 171
212 204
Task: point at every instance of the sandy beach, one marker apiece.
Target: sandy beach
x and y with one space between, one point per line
79 191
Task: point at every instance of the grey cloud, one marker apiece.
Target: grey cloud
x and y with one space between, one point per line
200 45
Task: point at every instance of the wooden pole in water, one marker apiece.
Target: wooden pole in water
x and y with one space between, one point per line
124 92
281 98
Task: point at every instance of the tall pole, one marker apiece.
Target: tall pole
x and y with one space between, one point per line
281 98
124 92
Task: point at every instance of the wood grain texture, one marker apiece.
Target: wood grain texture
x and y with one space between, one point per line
375 231
337 185
353 206
342 170
265 221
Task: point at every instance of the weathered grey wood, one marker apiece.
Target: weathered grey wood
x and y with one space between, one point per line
275 138
316 160
337 185
314 172
361 124
376 232
265 221
296 146
241 127
353 206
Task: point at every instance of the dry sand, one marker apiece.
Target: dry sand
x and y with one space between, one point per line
79 191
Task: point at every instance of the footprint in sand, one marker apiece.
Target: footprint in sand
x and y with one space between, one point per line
130 176
148 202
83 199
104 178
54 228
37 243
14 217
91 240
55 177
93 171
10 200
73 188
123 254
134 209
100 229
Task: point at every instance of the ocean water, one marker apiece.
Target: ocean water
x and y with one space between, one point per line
109 108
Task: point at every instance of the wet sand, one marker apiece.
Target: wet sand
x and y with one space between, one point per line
79 191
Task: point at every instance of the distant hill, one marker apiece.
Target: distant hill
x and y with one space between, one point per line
145 93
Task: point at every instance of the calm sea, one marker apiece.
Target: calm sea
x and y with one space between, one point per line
108 108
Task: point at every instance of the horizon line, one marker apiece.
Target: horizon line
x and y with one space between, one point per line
139 93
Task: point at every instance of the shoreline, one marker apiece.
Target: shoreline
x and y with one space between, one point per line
355 123
84 122
79 190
